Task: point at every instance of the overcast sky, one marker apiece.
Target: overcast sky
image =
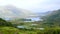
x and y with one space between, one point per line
33 5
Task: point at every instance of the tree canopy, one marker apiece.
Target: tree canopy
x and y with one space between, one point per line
4 22
53 18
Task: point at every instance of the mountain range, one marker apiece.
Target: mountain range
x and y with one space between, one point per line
10 11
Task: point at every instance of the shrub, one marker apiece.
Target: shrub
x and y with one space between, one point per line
8 30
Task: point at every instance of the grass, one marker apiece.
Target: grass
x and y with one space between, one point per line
11 30
8 30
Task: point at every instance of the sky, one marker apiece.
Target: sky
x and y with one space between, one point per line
33 5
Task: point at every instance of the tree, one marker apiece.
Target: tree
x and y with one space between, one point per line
52 18
4 22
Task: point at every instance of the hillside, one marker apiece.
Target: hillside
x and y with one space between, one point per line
52 19
10 11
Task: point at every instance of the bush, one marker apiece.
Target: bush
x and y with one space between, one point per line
5 23
52 31
8 30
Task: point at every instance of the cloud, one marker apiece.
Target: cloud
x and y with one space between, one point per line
22 3
13 12
33 5
47 5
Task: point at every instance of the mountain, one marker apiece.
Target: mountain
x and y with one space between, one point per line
40 14
53 19
11 11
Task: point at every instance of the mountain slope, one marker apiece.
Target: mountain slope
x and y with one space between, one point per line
53 18
13 12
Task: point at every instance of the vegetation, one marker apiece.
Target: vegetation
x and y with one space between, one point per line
50 25
4 23
52 19
8 30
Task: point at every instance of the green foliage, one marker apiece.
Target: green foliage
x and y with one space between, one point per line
11 30
51 24
8 30
4 23
52 31
53 18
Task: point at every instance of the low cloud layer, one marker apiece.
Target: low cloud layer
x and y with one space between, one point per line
13 12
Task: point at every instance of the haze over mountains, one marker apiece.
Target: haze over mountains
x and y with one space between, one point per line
12 11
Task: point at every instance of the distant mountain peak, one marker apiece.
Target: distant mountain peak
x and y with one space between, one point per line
11 11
